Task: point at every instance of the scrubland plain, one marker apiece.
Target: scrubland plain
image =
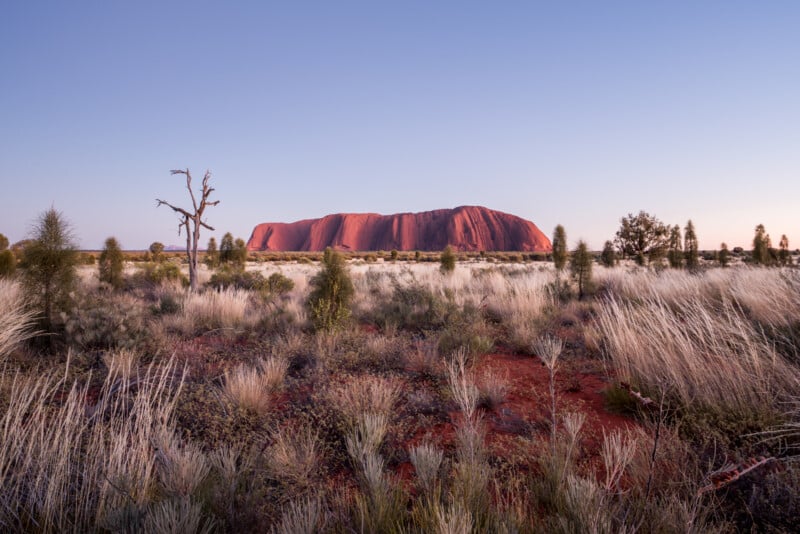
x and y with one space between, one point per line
490 399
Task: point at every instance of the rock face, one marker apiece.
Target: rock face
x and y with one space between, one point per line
466 228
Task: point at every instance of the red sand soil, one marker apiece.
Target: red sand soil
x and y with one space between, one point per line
466 228
526 410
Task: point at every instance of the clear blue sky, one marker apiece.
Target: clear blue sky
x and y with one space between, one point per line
562 112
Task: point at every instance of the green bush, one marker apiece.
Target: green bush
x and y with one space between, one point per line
49 267
8 263
158 273
447 260
112 263
106 323
331 293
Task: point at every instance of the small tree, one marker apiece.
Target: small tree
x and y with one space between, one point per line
724 255
642 237
609 255
447 260
112 263
580 265
690 246
212 254
784 256
761 246
226 248
8 262
192 221
393 255
239 257
156 251
331 293
675 254
559 248
49 261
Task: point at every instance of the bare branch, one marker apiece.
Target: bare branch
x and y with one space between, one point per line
179 210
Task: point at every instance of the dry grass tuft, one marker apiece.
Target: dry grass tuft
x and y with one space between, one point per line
294 455
252 387
16 318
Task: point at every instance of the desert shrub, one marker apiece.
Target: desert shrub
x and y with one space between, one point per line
159 273
466 329
231 277
104 322
49 267
560 253
447 260
580 265
412 306
8 263
331 294
211 257
156 252
112 263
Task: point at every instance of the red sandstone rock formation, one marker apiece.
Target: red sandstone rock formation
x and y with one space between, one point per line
463 228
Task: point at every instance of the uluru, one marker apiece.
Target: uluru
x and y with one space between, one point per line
466 228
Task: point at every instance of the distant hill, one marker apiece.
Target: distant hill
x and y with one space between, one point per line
466 228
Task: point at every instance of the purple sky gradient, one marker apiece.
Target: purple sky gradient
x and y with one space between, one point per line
564 112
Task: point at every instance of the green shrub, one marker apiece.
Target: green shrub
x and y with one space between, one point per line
158 273
8 263
112 263
106 323
278 284
447 260
331 293
49 266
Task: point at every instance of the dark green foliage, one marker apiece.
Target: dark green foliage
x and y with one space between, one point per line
112 263
761 246
784 256
580 265
156 251
49 263
690 246
239 257
276 285
609 255
8 263
157 273
465 328
417 255
226 248
3 242
724 255
559 248
447 260
393 255
675 254
212 254
331 293
642 237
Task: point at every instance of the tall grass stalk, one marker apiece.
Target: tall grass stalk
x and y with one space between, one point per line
65 466
16 317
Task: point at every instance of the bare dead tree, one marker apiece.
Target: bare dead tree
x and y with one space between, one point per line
192 221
